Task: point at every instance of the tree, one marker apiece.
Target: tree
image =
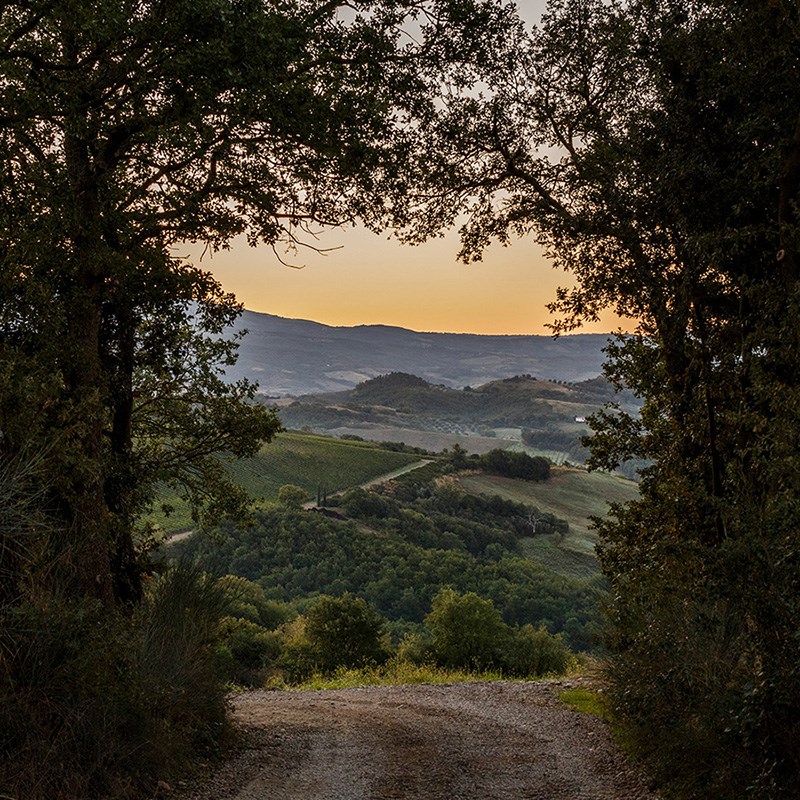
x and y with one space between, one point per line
467 631
129 128
516 465
653 148
292 496
345 632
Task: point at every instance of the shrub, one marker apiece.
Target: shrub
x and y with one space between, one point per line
337 632
346 632
95 703
252 651
536 652
466 631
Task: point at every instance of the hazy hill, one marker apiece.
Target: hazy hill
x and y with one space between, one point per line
290 356
408 400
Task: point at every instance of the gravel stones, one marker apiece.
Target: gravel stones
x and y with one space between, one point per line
469 741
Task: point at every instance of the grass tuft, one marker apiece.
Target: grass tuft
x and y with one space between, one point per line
393 673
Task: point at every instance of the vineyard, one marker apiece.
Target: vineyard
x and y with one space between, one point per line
306 460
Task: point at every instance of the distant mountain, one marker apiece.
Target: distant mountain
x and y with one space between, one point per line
292 357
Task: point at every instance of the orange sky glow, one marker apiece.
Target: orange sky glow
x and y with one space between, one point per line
372 280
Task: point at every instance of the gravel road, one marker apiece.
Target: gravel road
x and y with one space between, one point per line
479 741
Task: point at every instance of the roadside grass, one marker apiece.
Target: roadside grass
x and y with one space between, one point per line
398 672
587 701
307 460
393 673
594 701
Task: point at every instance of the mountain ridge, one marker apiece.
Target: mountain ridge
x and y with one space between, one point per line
292 356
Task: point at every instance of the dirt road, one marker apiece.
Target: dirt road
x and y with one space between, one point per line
484 741
387 476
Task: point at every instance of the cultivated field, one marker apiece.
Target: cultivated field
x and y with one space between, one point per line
571 494
306 460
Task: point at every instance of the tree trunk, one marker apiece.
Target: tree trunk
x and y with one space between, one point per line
89 518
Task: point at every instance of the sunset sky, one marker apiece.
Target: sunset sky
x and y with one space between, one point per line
371 279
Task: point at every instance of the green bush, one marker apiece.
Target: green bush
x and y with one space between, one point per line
253 650
247 600
467 632
96 703
337 632
346 632
533 652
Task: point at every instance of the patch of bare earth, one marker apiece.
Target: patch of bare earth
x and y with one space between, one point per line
479 741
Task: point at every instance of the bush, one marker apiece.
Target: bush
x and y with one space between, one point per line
516 465
536 652
246 600
96 703
346 632
337 632
467 632
248 651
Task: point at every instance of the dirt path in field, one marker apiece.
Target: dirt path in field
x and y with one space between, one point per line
179 537
395 473
480 741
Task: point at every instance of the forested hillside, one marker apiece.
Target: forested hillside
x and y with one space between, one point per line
399 546
521 412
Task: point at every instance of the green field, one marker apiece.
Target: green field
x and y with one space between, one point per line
306 460
571 494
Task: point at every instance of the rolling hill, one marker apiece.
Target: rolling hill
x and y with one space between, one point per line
292 357
544 416
305 460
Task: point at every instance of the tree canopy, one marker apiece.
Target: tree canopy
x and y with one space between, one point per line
653 148
129 128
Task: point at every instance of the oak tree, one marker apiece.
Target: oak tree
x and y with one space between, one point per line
129 127
653 148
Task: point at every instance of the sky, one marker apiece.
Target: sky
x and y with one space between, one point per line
369 279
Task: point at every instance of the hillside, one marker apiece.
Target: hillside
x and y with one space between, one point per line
291 357
522 411
305 460
573 495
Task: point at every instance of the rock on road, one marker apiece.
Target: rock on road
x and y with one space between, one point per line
476 741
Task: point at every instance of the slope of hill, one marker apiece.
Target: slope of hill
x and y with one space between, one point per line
570 494
291 357
305 460
522 411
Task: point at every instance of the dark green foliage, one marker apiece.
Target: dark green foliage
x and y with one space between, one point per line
246 600
445 539
654 149
93 704
516 465
467 632
346 632
292 496
246 651
536 651
337 632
